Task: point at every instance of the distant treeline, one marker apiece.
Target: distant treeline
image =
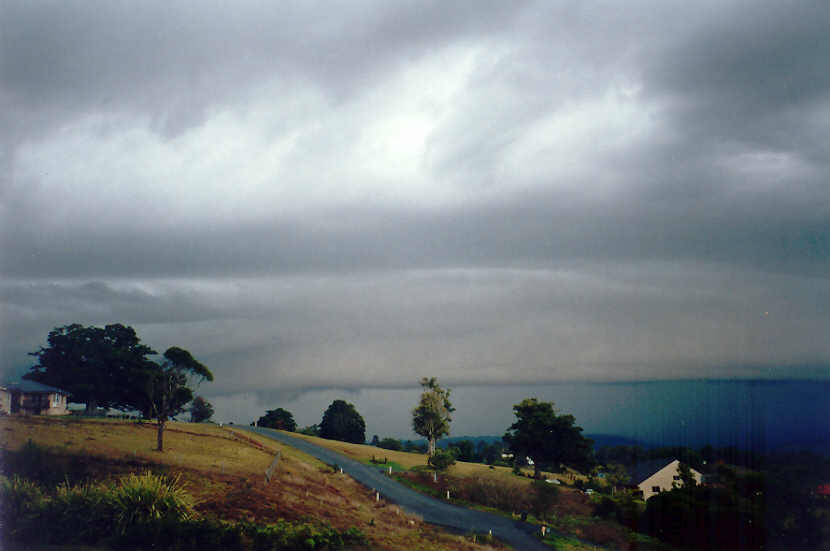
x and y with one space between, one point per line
473 450
697 458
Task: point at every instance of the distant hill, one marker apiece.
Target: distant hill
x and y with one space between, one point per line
444 442
600 440
605 440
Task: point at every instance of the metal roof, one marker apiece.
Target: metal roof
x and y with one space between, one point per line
32 387
644 469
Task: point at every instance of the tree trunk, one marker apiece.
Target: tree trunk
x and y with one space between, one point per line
160 435
91 408
431 447
537 474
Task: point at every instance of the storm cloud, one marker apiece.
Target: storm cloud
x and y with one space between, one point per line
358 196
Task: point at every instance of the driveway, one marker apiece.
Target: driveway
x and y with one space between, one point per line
517 534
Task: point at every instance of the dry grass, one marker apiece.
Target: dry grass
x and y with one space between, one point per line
408 460
223 470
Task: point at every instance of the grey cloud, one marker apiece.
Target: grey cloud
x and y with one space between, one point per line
628 322
688 238
772 231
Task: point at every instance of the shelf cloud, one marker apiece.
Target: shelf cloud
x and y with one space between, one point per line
313 197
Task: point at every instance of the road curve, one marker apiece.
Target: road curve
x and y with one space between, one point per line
517 534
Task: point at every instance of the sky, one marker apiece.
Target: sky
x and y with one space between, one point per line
325 200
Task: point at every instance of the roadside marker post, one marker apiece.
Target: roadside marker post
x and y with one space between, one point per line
270 471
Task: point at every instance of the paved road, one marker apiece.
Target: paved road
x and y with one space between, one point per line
517 534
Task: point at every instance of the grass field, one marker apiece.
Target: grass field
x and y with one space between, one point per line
408 460
224 470
573 510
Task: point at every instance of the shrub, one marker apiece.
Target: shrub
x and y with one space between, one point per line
606 508
138 499
79 514
21 501
544 497
141 512
441 460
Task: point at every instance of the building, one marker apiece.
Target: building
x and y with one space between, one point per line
658 475
31 398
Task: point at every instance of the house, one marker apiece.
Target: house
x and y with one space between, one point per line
657 475
29 397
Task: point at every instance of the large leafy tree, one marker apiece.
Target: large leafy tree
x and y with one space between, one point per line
163 389
341 421
200 410
278 419
95 365
547 438
431 417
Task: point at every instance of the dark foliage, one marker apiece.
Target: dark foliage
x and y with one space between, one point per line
341 421
390 444
92 516
705 518
441 460
97 366
278 419
547 438
200 410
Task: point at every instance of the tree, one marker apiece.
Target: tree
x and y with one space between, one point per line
165 387
547 438
441 460
687 479
542 498
95 365
341 421
464 450
311 430
278 419
200 410
616 475
389 443
431 418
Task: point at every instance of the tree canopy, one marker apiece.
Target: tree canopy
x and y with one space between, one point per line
200 410
341 421
278 419
165 388
95 365
547 438
431 417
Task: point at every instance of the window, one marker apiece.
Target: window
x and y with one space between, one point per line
655 489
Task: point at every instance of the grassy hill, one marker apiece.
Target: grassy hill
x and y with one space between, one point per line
223 469
498 489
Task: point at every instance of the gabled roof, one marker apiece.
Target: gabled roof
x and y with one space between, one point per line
644 469
32 387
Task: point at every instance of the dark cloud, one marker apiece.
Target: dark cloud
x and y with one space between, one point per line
493 193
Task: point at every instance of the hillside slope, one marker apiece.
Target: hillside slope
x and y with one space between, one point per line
224 471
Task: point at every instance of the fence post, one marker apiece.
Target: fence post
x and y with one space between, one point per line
269 472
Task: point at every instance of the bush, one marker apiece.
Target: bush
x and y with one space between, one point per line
441 460
21 502
79 514
390 444
139 499
543 497
141 512
606 508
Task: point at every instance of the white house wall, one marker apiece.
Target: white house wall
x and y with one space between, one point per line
664 479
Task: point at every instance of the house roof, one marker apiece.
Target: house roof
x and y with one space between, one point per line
644 469
32 387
